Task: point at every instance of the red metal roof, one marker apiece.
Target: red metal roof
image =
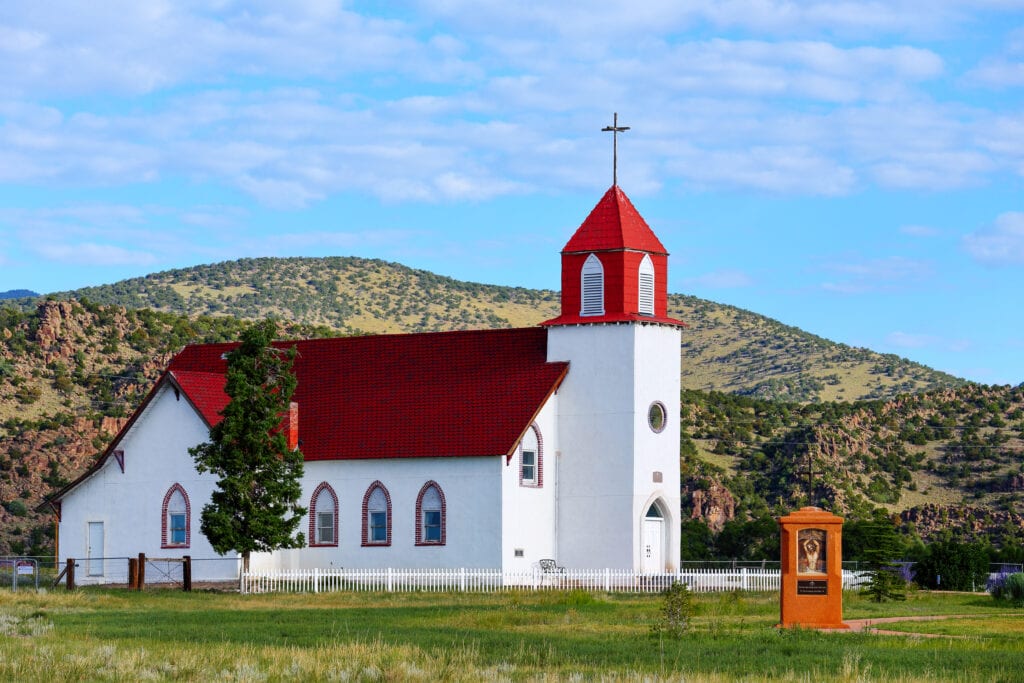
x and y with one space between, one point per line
614 224
408 395
205 390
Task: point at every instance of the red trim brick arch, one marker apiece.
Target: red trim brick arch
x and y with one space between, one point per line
324 486
163 518
539 481
366 514
419 514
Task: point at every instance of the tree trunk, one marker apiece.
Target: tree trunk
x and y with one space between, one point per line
245 568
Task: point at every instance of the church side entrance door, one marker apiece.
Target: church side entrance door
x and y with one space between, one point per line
95 549
651 551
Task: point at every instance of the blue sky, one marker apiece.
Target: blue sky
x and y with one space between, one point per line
850 168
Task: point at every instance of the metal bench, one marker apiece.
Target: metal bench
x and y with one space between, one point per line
550 567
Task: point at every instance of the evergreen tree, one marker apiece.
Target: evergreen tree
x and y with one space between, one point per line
882 546
255 504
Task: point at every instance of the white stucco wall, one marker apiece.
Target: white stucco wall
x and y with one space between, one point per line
129 503
657 379
528 512
472 492
609 454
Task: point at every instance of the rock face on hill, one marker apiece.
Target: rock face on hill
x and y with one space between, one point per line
714 506
962 520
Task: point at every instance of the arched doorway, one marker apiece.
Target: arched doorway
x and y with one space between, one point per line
652 541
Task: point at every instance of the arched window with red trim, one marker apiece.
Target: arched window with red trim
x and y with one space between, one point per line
323 516
431 515
531 458
175 519
377 515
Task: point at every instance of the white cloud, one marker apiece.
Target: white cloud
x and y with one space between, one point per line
424 110
305 242
910 340
874 275
780 169
580 20
919 231
1000 244
91 254
905 340
934 171
721 279
998 73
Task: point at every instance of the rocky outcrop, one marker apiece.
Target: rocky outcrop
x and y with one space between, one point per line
964 520
64 327
713 505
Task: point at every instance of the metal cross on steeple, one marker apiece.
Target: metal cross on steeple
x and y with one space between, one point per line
615 129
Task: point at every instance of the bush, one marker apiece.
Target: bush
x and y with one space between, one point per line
28 395
676 611
16 508
953 566
1008 587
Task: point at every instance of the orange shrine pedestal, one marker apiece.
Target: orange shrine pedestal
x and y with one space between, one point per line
812 569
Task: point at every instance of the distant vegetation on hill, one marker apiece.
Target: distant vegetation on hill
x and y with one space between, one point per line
17 294
947 459
724 348
759 395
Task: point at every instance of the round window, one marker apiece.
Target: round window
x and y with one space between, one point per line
656 416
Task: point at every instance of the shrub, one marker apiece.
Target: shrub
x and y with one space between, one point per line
676 611
1008 587
16 508
28 394
952 565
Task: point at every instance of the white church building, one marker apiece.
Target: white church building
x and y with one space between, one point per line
476 449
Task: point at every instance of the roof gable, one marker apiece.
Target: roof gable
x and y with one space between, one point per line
614 224
410 395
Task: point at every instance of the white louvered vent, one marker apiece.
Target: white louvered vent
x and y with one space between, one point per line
646 298
592 287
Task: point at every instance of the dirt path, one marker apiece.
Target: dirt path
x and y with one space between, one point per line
868 625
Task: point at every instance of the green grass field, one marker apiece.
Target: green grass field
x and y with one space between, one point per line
93 635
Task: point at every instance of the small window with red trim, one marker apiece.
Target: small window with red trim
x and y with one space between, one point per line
531 463
175 522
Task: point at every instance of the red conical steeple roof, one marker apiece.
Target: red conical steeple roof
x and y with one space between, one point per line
616 239
614 224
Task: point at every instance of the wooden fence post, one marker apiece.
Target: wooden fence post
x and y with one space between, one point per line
71 573
133 573
142 571
186 573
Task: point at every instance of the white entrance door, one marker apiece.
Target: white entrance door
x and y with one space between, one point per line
651 551
95 550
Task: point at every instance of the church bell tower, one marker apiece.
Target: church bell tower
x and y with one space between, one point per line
618 409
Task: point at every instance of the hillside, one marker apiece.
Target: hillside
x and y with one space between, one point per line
945 460
70 374
71 371
18 294
724 348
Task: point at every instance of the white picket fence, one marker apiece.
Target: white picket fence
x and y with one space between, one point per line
704 580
